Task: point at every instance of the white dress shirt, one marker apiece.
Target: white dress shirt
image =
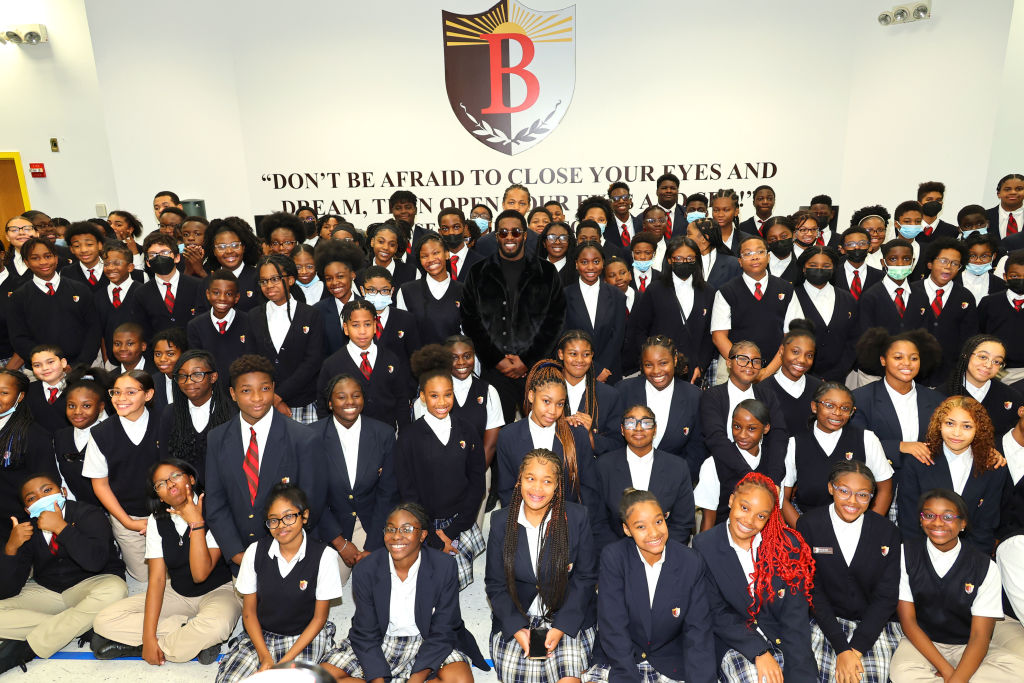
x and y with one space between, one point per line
228 318
721 312
41 284
356 353
278 322
533 536
777 266
590 294
349 438
652 572
200 414
987 603
262 428
794 389
824 301
975 284
660 403
442 428
930 288
328 579
94 464
437 291
684 294
847 533
154 543
640 467
906 409
124 287
977 393
1004 218
575 393
959 467
161 284
1010 560
543 437
874 456
746 557
1014 454
402 610
736 396
708 490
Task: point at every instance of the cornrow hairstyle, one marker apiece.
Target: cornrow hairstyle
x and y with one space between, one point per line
590 403
400 236
876 210
454 339
782 553
799 327
956 385
631 497
826 387
543 373
418 244
784 221
587 244
983 446
1008 176
553 555
430 361
595 201
876 341
514 186
843 467
157 507
666 342
14 434
949 496
243 231
134 223
250 362
543 238
338 251
291 493
938 245
713 234
417 511
758 410
185 444
729 194
285 267
356 305
679 240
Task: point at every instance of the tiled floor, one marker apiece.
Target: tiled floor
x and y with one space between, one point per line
475 613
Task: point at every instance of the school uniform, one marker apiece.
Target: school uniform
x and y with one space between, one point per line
75 574
330 312
567 274
794 400
285 450
163 391
460 262
293 340
719 267
677 411
732 243
982 494
1011 517
249 294
600 311
782 626
716 408
752 226
401 627
401 333
386 391
576 617
1000 400
856 588
50 415
115 305
998 314
286 596
16 266
440 464
863 276
982 285
189 299
787 269
661 473
37 456
933 231
92 277
641 280
190 442
66 318
477 403
891 424
999 220
69 445
8 283
674 308
653 619
314 291
615 245
606 432
225 339
435 307
955 324
401 272
738 311
720 473
194 615
833 311
877 308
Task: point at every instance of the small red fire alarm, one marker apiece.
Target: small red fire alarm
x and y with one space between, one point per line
38 170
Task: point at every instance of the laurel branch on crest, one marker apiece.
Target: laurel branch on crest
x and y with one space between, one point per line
528 134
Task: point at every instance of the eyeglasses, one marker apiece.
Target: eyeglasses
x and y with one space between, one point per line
845 493
159 485
620 197
945 262
945 516
115 263
683 259
197 376
287 520
309 220
273 280
656 221
46 224
386 291
856 245
643 423
308 268
287 243
979 258
514 232
557 238
985 358
876 231
751 254
835 407
744 361
227 245
165 252
808 231
21 229
129 393
405 530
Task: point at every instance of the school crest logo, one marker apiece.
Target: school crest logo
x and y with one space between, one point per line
849 455
248 293
782 295
480 400
963 304
922 311
885 550
1008 404
286 480
305 329
462 444
241 338
75 298
676 612
510 72
686 431
401 333
391 369
303 584
782 592
968 588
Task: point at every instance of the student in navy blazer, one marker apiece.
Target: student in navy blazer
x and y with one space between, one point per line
231 243
592 404
667 631
337 263
977 365
225 330
607 329
718 263
289 451
187 291
397 330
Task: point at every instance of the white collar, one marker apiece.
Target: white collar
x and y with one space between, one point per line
274 551
414 569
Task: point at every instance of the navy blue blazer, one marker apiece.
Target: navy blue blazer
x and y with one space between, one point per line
401 333
374 492
437 612
876 308
725 268
297 362
606 432
783 620
876 412
716 421
670 483
681 436
226 348
189 301
672 634
469 257
957 323
609 330
291 452
657 311
578 611
873 277
334 335
386 393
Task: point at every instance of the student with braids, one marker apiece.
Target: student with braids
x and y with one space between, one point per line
778 233
718 263
291 334
387 244
856 579
597 308
435 299
230 243
761 576
725 212
653 612
964 459
592 405
793 385
811 455
25 447
541 575
201 403
439 464
975 375
86 405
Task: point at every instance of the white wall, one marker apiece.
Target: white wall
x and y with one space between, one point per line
1007 146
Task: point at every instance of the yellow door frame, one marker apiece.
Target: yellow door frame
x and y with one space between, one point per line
16 158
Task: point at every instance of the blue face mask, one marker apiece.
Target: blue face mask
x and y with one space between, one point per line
379 301
481 223
642 266
181 248
46 503
910 231
601 227
314 281
10 411
695 215
979 268
61 242
968 233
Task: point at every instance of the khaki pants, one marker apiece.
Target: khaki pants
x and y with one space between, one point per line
358 540
1003 663
133 549
49 620
186 625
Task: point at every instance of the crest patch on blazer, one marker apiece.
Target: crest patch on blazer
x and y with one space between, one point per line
480 400
922 311
391 369
782 592
305 329
968 588
248 293
303 584
676 612
686 431
963 304
885 550
286 480
75 298
458 304
848 455
241 338
401 333
1008 404
782 295
462 443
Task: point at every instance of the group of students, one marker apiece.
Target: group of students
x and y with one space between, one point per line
789 451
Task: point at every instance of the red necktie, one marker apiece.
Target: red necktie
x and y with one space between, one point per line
364 367
928 231
455 269
251 466
379 331
757 291
937 303
820 241
855 286
222 325
1017 303
53 544
625 236
1011 225
169 298
50 290
900 306
760 227
668 228
92 277
53 395
643 283
116 301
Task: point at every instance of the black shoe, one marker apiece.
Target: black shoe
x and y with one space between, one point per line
104 648
492 500
209 655
15 653
85 638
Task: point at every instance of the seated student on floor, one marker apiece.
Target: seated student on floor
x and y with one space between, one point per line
408 627
287 580
660 633
975 374
760 576
541 575
189 607
28 447
76 571
856 579
792 384
47 397
225 332
592 404
949 602
87 402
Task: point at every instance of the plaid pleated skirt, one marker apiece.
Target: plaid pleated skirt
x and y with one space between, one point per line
569 660
399 651
875 661
738 669
305 414
468 545
599 674
242 660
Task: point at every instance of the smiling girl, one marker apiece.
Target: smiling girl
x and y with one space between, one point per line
597 308
975 375
231 243
794 387
435 299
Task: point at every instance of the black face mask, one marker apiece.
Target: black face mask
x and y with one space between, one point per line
931 208
454 240
781 248
684 270
1016 286
818 276
162 265
856 255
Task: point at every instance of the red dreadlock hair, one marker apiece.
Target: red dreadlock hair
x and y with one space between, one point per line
782 553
